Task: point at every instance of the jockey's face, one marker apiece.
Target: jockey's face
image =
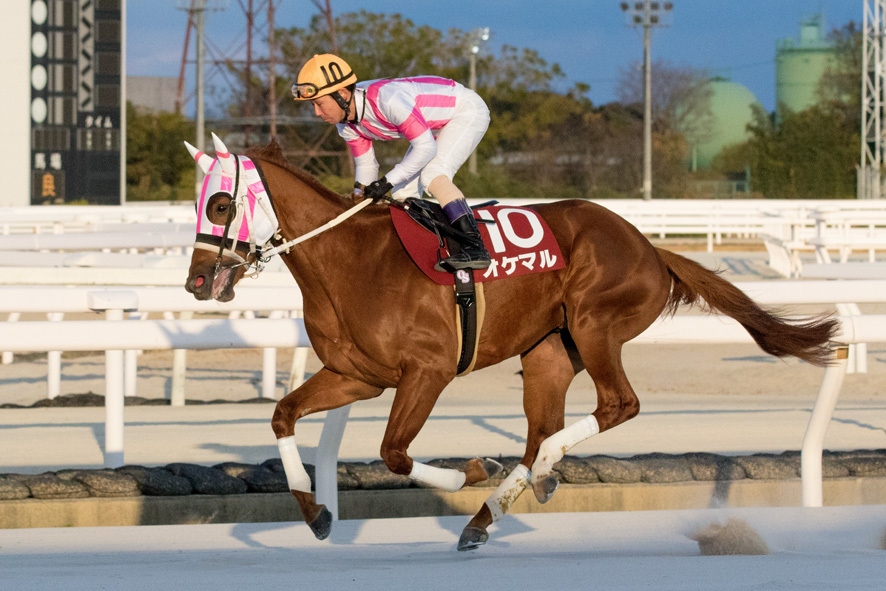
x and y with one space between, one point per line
328 110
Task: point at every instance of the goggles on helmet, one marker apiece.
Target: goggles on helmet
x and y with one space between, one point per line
321 75
305 90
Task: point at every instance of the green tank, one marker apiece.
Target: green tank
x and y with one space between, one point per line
731 109
800 64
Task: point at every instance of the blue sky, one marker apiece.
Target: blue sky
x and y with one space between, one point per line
588 38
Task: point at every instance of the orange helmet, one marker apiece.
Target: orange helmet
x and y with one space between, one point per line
322 75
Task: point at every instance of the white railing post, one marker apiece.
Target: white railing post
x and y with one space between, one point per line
114 401
54 364
858 352
299 361
269 366
813 441
8 356
860 363
130 364
297 371
115 304
326 466
179 367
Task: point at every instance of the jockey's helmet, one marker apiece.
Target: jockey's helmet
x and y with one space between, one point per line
321 75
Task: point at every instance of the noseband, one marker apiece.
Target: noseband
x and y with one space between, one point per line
209 242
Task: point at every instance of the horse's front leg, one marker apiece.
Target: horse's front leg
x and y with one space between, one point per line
416 395
325 390
548 369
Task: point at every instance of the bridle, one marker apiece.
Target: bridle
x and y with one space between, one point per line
207 242
259 255
232 211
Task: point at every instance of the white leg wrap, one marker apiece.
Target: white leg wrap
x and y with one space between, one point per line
506 494
296 476
445 478
555 447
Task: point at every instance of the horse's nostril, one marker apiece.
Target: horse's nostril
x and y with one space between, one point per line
199 281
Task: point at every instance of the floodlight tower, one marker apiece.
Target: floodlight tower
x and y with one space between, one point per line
873 132
477 37
196 10
647 14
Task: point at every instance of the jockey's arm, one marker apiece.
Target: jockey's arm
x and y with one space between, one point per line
400 109
422 149
364 159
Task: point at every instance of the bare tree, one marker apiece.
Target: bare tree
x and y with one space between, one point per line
681 98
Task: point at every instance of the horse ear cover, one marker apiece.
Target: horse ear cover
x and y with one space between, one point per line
223 155
203 160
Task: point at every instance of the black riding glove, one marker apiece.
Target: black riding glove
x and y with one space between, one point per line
377 189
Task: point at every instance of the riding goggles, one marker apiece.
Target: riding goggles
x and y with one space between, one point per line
309 90
305 90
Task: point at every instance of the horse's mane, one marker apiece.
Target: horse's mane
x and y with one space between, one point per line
273 154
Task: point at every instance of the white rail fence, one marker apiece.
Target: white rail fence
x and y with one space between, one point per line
788 227
139 303
116 335
820 232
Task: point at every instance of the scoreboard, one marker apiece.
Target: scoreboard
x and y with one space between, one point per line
76 106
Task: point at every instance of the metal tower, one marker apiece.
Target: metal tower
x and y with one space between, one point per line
244 67
873 134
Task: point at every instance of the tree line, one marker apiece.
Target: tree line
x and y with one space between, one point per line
543 141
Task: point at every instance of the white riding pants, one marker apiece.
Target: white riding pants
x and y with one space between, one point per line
455 143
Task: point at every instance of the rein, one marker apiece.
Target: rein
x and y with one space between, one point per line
286 246
262 257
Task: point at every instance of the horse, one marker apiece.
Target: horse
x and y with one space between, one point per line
376 322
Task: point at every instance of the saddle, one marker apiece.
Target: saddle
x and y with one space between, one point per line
469 300
517 238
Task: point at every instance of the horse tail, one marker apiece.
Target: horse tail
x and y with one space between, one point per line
805 339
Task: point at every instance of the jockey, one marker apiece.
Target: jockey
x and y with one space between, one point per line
443 121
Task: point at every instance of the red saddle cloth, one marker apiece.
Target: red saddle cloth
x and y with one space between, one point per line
519 243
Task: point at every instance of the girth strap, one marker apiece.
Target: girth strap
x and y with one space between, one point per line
470 306
469 301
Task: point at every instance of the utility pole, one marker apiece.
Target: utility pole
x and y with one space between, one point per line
477 37
247 77
196 11
873 121
272 75
201 133
647 14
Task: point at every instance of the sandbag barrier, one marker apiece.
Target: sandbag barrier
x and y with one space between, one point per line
268 477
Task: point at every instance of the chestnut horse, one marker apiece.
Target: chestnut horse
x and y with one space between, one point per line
376 322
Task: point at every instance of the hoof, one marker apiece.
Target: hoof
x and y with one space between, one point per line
322 524
544 489
472 538
491 467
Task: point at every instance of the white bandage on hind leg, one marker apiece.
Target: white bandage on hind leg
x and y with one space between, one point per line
501 501
445 478
555 447
296 476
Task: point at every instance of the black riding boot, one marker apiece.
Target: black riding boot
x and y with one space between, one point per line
473 254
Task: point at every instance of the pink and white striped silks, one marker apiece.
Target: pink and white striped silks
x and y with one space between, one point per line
417 109
238 178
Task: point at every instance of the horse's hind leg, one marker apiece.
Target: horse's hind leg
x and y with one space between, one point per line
548 369
325 390
616 403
